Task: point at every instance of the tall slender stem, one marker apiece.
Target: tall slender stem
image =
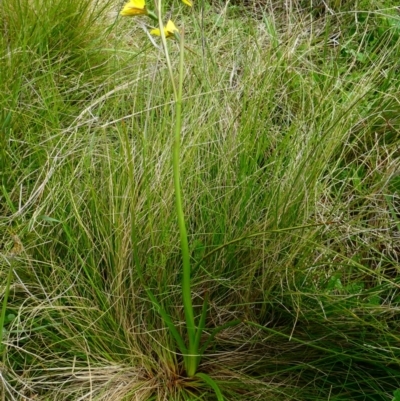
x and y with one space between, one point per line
186 279
191 360
4 306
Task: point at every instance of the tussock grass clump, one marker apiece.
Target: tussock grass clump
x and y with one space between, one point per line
290 180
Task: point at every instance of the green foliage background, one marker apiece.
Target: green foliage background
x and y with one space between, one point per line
290 175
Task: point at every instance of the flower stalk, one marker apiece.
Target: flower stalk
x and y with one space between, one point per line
190 348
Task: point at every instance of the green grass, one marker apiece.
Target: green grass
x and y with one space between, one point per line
290 179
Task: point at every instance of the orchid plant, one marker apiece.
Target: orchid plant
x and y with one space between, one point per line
191 348
191 351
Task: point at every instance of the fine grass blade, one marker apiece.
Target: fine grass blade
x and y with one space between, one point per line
216 331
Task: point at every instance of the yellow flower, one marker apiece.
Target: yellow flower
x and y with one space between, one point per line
169 30
134 7
187 2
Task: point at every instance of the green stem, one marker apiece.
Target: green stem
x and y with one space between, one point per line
191 359
135 253
165 46
186 280
4 307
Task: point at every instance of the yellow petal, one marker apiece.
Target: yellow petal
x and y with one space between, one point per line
187 2
171 28
138 4
134 7
155 32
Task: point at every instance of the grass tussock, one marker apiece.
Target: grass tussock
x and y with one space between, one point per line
290 175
